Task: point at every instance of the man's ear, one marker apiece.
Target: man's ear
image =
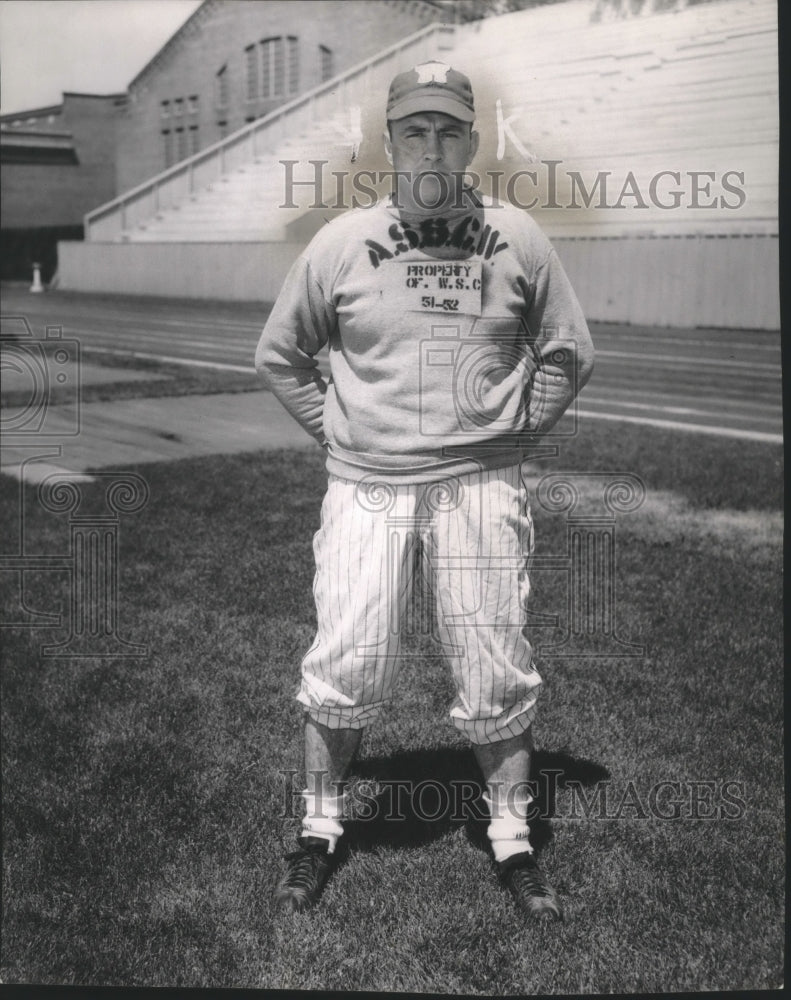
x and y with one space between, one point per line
388 147
474 143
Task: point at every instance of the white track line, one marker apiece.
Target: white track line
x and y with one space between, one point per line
247 370
676 359
186 322
743 345
752 408
158 337
676 425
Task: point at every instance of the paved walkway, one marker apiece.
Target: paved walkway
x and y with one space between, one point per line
115 434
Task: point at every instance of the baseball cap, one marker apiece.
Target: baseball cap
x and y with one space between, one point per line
431 86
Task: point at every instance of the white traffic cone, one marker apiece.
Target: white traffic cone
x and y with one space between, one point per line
37 286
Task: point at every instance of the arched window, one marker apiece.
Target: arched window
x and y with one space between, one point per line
279 66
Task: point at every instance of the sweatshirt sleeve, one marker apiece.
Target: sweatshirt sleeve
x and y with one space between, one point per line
562 346
300 324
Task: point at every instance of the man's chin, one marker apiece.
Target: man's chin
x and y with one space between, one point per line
434 191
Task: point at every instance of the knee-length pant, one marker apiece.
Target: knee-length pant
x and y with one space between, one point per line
476 535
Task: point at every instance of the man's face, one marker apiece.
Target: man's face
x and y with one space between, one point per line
425 145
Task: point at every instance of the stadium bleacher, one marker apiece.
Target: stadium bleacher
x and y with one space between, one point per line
690 90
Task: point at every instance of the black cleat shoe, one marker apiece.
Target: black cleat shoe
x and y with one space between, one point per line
528 885
306 874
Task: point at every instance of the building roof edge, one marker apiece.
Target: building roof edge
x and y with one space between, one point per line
198 12
54 109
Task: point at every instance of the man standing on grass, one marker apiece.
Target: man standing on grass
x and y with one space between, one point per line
455 342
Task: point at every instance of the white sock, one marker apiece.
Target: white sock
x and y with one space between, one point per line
322 818
508 831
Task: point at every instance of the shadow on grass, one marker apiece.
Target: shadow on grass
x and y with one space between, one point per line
411 798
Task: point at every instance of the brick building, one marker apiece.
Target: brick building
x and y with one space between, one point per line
58 163
232 62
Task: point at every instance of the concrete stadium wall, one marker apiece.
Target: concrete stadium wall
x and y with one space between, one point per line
240 272
678 282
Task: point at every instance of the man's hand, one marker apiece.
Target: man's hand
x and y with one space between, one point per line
554 386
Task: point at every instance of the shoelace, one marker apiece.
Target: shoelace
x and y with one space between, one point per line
301 869
532 881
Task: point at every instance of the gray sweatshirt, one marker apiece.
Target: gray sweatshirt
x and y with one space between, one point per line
455 342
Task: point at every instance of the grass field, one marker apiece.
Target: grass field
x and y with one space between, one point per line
143 799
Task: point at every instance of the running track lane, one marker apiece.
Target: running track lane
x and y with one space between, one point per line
723 382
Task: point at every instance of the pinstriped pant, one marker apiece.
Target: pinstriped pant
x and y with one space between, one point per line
476 535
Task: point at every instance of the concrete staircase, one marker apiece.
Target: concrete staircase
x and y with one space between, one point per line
253 202
233 190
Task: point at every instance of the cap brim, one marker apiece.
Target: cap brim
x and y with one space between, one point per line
430 102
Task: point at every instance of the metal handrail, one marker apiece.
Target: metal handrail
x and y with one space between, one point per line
217 149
